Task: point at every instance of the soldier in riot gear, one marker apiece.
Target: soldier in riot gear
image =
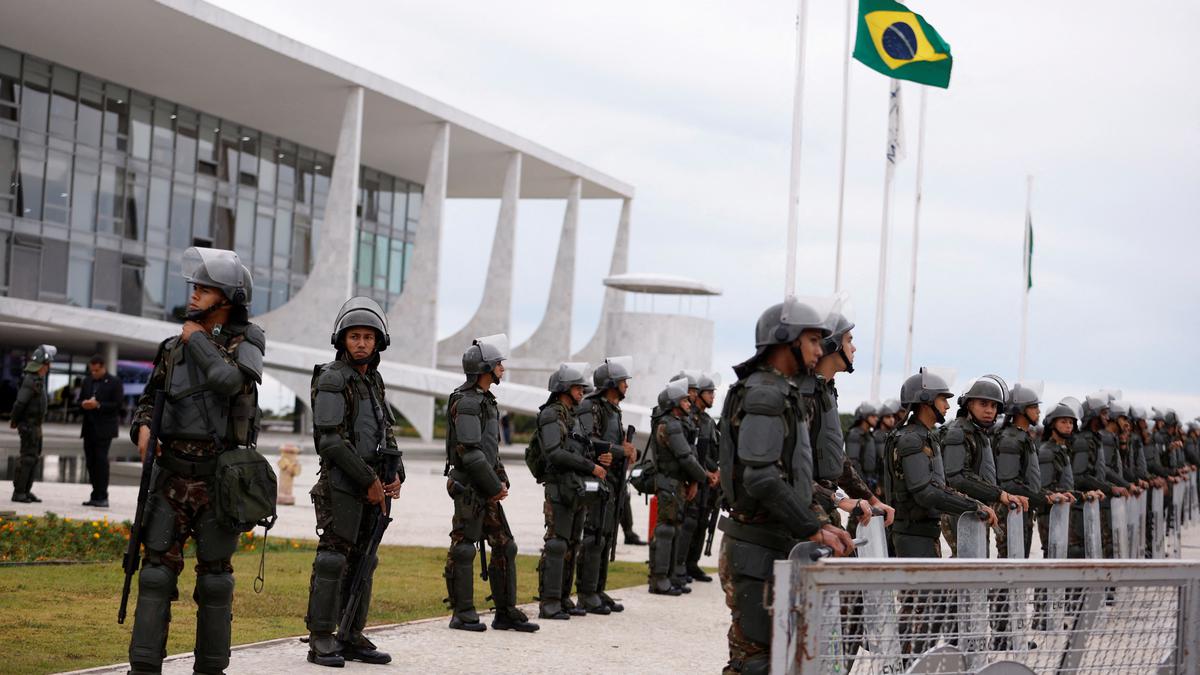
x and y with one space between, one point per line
210 374
1091 467
693 509
967 451
28 412
766 465
599 416
477 482
352 428
891 416
1054 471
1018 464
860 442
709 496
572 480
678 475
1115 436
914 481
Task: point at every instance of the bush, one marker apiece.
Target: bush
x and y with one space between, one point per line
30 539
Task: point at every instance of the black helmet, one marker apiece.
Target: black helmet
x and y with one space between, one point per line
484 354
361 311
674 394
612 371
924 387
863 411
1023 395
987 388
783 323
568 375
1069 407
220 269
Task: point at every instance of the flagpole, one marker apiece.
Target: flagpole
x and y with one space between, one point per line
837 266
1025 279
789 284
881 289
912 291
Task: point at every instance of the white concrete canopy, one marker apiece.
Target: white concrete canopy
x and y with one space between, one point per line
660 284
194 53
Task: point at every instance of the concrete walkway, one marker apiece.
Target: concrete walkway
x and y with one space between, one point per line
654 634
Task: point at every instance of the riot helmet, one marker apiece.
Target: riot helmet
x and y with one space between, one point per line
890 406
610 373
1170 417
926 387
220 269
43 355
1118 409
568 375
1069 407
674 394
484 355
863 411
708 382
841 321
1023 395
1093 405
361 312
783 323
987 388
692 376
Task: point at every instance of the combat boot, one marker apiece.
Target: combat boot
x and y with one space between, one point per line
458 623
571 608
592 603
513 619
613 605
362 649
325 650
660 585
698 574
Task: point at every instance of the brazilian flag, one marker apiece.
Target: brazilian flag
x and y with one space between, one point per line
900 44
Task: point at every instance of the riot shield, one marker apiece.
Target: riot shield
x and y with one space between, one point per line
1117 520
1158 531
880 623
1060 521
1092 547
1177 495
1015 523
1137 526
972 603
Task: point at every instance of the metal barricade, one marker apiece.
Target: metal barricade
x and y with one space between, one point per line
1151 625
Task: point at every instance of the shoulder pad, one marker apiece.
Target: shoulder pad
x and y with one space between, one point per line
255 335
548 415
908 442
467 404
764 400
808 385
585 406
954 435
673 424
333 377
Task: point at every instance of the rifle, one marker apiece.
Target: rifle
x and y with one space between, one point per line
133 552
712 523
622 479
382 519
483 566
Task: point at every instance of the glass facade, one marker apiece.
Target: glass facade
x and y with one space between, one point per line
107 186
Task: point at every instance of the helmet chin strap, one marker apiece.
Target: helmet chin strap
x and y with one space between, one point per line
200 314
848 363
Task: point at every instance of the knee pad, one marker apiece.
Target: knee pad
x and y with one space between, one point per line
556 547
509 550
463 553
214 590
664 531
329 564
156 581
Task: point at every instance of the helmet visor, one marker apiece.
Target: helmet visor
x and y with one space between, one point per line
677 389
572 373
619 367
51 351
844 311
808 312
933 377
1074 405
212 267
493 348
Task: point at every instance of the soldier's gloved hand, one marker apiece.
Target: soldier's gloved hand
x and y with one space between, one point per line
889 512
988 515
503 493
605 459
375 495
630 452
1024 502
599 472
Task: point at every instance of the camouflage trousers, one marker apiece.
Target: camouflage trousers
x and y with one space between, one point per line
31 452
177 510
563 516
478 520
746 578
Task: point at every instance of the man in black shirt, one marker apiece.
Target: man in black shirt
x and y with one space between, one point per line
100 400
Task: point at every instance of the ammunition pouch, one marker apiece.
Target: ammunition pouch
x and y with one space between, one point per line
244 489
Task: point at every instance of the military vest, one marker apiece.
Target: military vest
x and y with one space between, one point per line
366 416
895 483
192 411
489 425
36 402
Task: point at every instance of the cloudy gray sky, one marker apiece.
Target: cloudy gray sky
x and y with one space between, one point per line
691 103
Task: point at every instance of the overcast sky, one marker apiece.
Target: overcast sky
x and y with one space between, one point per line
690 102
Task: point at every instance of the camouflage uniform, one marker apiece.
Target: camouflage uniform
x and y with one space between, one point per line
601 421
970 468
568 471
207 380
28 412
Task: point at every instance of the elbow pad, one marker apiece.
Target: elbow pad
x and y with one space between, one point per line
791 505
482 477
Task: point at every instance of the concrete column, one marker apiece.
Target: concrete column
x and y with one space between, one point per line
109 351
413 318
550 343
614 300
495 308
307 317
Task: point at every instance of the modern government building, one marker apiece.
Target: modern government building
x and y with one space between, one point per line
133 129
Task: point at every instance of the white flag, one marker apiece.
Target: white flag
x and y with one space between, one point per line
895 151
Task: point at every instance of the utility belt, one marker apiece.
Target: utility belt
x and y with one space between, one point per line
768 536
192 467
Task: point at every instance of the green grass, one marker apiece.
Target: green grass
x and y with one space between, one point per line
64 616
